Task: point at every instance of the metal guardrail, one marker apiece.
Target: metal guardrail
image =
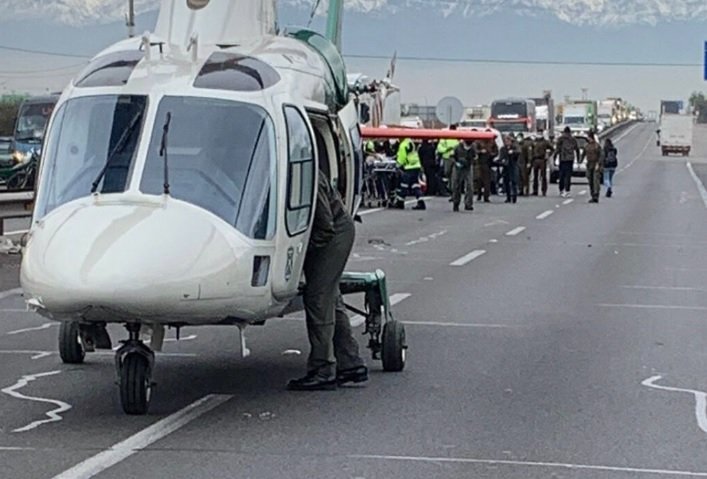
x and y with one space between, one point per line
615 129
16 204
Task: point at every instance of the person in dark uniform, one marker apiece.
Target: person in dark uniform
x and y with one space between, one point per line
509 159
525 164
463 175
328 329
487 151
428 158
541 149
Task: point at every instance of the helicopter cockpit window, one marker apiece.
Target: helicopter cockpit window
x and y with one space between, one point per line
88 135
113 69
300 175
228 71
221 157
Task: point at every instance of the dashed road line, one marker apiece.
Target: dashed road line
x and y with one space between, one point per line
516 231
583 192
53 416
445 324
653 306
36 328
568 202
544 215
117 453
466 259
358 320
31 353
530 464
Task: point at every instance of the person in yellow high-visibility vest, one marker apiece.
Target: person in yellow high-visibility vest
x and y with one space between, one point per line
445 150
409 162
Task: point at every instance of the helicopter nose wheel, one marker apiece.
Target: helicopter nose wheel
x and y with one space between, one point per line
71 348
134 362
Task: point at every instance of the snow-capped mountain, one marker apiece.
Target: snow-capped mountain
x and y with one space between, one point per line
579 12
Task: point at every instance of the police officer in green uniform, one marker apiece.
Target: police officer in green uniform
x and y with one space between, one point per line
463 175
445 150
409 162
334 356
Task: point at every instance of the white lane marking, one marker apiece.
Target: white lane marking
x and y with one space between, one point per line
568 202
544 215
583 192
157 353
191 337
516 231
10 292
496 223
700 399
625 133
653 306
468 258
33 354
698 182
635 158
36 328
443 324
538 464
665 288
493 241
358 320
9 449
427 238
139 441
53 416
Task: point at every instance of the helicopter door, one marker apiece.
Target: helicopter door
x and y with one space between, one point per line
300 195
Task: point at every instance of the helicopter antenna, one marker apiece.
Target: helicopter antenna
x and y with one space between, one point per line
333 27
130 18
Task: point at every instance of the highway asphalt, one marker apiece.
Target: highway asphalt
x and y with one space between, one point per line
548 339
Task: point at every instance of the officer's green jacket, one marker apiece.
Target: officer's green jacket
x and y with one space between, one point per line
445 148
408 158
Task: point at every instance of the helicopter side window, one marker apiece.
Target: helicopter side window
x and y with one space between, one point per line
228 71
300 176
113 69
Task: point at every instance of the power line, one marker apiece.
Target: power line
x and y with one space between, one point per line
41 52
523 62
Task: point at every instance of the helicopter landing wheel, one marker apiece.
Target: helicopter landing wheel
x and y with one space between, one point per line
71 349
393 346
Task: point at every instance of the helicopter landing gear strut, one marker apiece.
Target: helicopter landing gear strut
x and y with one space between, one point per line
387 340
133 363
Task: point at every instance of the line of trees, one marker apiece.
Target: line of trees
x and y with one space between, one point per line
698 105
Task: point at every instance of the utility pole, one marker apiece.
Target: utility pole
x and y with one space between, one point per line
130 18
585 93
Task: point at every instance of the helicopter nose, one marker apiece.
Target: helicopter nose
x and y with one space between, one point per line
138 257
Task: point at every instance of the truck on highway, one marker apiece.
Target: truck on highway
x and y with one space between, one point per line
545 114
676 134
513 115
671 107
607 115
580 117
32 120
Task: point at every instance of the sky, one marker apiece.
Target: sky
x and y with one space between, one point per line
655 48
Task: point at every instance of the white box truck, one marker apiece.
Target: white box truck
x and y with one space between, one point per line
676 134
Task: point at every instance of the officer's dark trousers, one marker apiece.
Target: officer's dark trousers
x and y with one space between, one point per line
510 179
539 172
323 268
463 183
484 181
410 184
524 171
566 175
594 177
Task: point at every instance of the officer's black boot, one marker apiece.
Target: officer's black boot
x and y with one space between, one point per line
420 205
456 207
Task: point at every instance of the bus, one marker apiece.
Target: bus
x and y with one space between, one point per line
514 115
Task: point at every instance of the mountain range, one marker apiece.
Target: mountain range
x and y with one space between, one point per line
608 13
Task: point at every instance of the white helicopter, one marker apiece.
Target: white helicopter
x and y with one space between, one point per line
177 185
